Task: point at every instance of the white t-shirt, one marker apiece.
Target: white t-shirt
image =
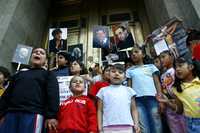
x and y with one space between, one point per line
116 105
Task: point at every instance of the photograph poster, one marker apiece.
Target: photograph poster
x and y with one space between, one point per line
57 39
22 54
101 37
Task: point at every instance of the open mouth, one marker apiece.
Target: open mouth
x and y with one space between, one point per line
36 57
116 78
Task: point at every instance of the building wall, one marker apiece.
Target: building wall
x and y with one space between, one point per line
22 22
159 11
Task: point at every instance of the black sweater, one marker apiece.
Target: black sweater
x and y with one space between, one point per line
34 91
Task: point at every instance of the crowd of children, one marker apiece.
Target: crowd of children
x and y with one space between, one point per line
162 97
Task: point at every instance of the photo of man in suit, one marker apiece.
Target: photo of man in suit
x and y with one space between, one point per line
124 38
101 37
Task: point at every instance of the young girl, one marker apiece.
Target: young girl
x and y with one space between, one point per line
31 96
103 83
144 80
175 121
187 94
77 114
117 112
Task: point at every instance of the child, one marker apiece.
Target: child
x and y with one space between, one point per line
31 96
103 83
144 80
63 64
187 94
116 105
157 63
193 43
4 75
77 68
175 121
78 113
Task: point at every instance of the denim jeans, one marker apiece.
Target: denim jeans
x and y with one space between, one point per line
150 121
193 125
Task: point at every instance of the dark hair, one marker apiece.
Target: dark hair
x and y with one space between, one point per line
178 81
193 35
96 65
146 59
122 27
56 31
170 54
5 72
83 68
106 67
66 55
118 67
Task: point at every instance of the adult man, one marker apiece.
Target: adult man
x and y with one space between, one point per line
57 43
101 38
125 38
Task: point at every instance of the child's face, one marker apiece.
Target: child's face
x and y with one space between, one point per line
165 59
136 55
106 73
62 61
183 70
128 65
38 58
116 76
2 78
77 85
75 67
157 63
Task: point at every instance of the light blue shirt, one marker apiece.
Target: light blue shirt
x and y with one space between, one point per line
116 105
142 79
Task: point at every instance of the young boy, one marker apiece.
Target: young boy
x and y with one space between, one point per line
63 64
30 96
4 75
117 111
77 114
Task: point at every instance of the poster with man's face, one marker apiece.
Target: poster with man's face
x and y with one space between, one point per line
122 36
76 51
57 39
101 37
22 54
62 33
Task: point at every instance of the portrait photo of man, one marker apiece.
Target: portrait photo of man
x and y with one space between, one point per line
124 38
57 40
76 51
22 54
101 37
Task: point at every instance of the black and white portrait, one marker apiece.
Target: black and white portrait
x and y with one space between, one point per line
22 54
76 51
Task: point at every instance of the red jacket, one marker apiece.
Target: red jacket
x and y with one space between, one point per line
97 86
77 114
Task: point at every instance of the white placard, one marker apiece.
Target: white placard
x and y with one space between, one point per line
64 91
160 46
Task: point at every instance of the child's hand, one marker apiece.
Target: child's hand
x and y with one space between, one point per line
161 107
51 124
137 128
162 99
